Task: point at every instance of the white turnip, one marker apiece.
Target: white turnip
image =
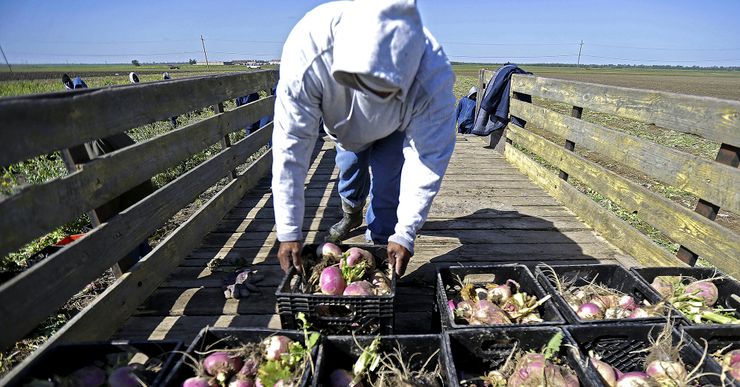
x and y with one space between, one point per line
627 302
275 347
358 288
606 371
486 312
328 250
639 313
380 282
221 365
658 369
197 381
331 281
590 311
499 293
634 379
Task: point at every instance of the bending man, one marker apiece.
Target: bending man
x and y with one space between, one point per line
383 87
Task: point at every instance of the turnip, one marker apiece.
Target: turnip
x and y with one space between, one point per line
589 311
663 286
658 369
221 365
499 293
731 358
464 310
87 376
380 282
639 313
355 255
328 250
627 302
634 379
571 379
197 381
606 371
359 288
341 378
451 306
735 370
704 290
486 312
331 281
275 347
236 382
124 377
250 367
605 302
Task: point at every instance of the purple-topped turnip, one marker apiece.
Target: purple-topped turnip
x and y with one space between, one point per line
359 288
331 281
704 290
590 311
275 347
328 249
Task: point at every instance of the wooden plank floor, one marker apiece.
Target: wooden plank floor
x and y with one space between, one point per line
486 212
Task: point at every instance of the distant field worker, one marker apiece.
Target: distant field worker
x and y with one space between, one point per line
383 87
465 112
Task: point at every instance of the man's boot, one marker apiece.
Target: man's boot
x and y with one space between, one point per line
351 219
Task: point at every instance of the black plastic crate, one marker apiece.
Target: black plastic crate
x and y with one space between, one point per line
447 277
341 352
234 338
616 344
726 286
716 337
62 360
473 352
337 315
613 276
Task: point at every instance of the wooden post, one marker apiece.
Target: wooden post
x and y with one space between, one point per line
728 155
225 141
481 91
577 112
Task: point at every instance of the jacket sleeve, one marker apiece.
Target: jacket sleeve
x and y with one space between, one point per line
294 135
430 140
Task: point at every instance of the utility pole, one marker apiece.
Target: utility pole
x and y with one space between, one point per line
203 42
579 54
6 59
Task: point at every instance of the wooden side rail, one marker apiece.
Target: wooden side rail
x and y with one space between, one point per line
37 209
712 181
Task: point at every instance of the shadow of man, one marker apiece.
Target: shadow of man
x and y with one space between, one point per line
486 236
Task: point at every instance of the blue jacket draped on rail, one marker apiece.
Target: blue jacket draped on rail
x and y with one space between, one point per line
494 107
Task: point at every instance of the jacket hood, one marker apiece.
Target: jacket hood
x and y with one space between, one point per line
473 90
383 39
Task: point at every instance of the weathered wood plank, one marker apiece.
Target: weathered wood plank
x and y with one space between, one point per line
185 328
461 190
23 304
706 179
61 200
614 229
713 242
101 319
711 118
38 124
465 202
502 223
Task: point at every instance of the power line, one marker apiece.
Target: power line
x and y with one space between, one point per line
509 44
662 60
667 48
511 56
103 55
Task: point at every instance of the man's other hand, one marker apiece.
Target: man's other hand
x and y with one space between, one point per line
289 254
398 258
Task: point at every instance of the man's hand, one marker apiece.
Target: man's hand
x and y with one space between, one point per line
289 254
398 258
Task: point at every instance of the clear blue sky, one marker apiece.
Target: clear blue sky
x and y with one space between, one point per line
700 33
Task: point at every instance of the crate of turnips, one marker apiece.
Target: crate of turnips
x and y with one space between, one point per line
117 363
340 289
722 344
701 295
635 354
514 356
493 295
587 294
387 361
248 357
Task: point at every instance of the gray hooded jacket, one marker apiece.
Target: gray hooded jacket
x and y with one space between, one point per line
383 40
